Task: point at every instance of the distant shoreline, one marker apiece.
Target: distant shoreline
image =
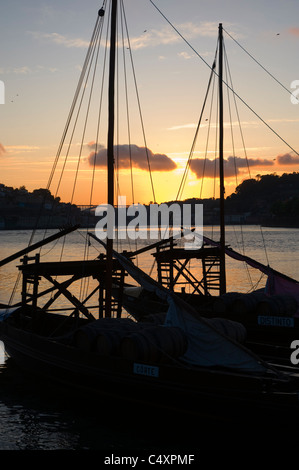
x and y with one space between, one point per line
266 223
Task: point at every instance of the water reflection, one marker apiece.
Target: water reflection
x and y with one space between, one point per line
27 421
38 416
23 428
32 418
276 247
2 353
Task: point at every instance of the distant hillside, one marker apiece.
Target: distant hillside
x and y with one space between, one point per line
19 209
271 198
267 199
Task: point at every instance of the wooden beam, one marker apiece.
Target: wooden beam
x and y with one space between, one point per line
64 284
72 298
20 253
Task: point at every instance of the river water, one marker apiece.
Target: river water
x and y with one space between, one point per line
35 418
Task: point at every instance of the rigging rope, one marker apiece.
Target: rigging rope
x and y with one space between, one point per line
79 86
226 84
139 105
62 141
127 105
248 167
255 60
183 181
208 137
230 116
237 111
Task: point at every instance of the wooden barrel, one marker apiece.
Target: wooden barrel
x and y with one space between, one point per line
155 318
85 338
278 305
223 303
172 340
108 340
230 328
154 344
247 303
138 346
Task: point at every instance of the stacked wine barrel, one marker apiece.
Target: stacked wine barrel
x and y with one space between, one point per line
146 341
246 308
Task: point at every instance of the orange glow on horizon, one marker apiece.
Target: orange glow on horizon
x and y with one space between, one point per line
166 184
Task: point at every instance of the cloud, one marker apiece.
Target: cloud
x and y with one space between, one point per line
154 37
21 148
244 124
149 38
138 155
13 150
25 70
183 126
49 69
287 159
22 70
294 31
283 120
60 39
167 35
185 55
232 166
2 150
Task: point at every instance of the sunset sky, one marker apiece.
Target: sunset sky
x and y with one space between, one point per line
43 47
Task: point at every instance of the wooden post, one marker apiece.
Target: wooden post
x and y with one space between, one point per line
36 278
110 155
221 168
24 283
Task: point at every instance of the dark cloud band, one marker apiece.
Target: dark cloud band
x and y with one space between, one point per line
232 166
125 155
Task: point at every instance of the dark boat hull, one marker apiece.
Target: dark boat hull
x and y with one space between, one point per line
270 335
173 386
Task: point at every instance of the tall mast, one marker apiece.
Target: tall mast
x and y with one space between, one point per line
221 168
110 153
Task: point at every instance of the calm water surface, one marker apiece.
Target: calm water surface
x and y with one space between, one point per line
34 417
